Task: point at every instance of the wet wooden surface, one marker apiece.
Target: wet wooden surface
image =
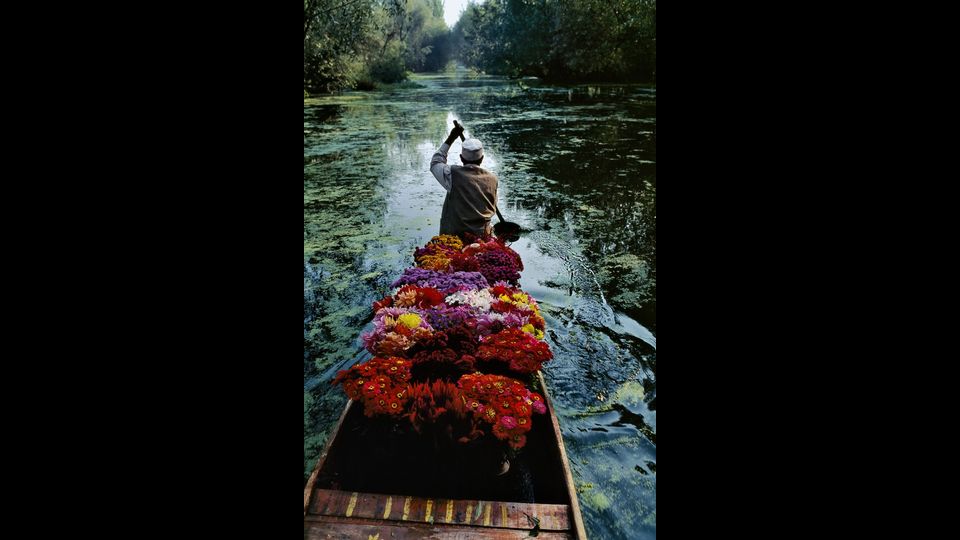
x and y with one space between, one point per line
329 527
510 515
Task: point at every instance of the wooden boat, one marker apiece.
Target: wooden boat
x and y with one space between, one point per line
353 491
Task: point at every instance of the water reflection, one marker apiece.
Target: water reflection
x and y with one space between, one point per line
577 170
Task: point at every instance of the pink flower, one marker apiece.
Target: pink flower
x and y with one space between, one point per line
539 407
508 422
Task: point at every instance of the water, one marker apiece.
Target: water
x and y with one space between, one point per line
577 169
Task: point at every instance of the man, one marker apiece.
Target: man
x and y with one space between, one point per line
471 191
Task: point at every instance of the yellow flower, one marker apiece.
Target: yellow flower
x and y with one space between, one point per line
410 320
433 262
528 328
448 240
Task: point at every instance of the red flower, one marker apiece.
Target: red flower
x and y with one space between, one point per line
386 302
380 384
517 441
428 297
518 349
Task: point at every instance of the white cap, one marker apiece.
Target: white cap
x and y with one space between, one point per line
472 150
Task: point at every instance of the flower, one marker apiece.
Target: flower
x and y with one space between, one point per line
479 300
386 302
410 320
528 328
443 282
498 265
522 352
504 403
442 321
380 384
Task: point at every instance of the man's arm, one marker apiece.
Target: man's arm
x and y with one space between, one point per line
439 167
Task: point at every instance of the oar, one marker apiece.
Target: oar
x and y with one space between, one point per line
507 230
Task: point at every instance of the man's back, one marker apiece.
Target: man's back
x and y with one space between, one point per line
471 201
471 197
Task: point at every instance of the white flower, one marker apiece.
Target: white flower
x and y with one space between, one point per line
478 300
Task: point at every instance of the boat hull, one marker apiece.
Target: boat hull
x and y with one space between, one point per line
362 488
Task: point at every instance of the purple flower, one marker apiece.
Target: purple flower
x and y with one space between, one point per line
445 282
512 320
489 323
444 317
497 265
414 276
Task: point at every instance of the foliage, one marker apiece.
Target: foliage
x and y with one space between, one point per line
334 33
363 43
584 40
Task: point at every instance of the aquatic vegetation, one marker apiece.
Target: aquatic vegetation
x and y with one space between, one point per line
596 500
628 279
630 393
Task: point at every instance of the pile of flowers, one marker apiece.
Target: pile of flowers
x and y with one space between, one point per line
516 348
395 330
381 384
442 281
495 261
438 253
504 403
455 315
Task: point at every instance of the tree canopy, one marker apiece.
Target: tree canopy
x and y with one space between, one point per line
360 43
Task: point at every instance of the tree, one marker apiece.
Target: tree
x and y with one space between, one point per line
334 31
561 40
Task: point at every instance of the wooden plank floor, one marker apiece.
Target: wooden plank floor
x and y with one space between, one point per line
334 528
344 514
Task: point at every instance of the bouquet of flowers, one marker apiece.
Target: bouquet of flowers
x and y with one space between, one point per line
516 348
442 281
504 403
379 383
438 252
439 329
395 330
